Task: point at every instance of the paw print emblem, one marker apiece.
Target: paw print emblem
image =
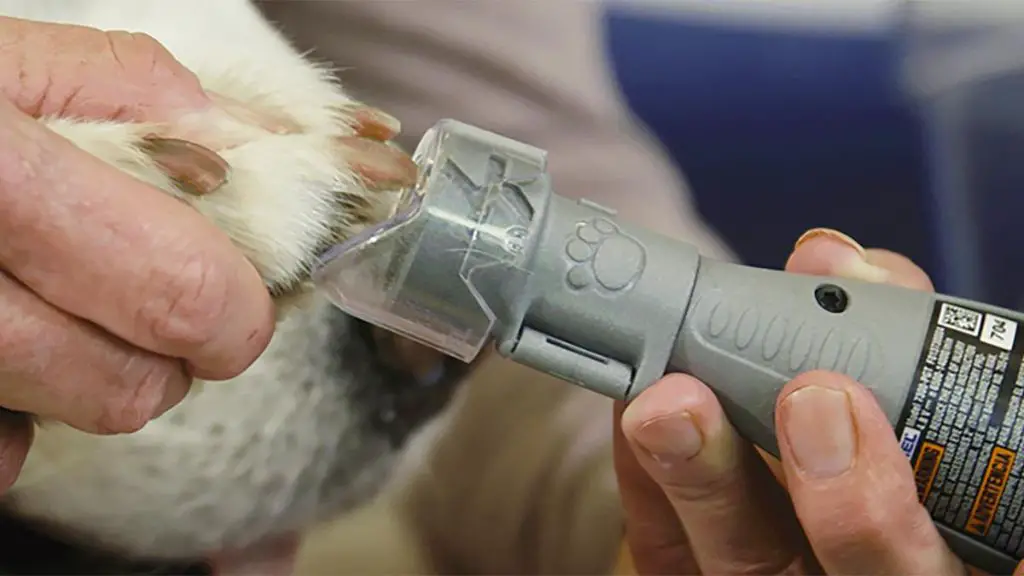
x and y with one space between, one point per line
601 254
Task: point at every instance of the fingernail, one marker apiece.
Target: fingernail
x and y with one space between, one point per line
819 428
847 255
670 438
832 235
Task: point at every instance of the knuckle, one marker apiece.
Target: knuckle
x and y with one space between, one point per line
18 51
188 307
21 159
874 521
706 488
152 53
134 51
142 58
147 44
27 340
718 476
866 523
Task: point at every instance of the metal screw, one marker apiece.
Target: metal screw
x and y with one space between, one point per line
832 298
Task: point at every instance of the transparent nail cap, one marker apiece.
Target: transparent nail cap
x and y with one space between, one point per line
444 268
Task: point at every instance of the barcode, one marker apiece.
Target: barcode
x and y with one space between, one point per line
960 319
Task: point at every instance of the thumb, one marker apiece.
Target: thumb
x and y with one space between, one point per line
51 69
827 252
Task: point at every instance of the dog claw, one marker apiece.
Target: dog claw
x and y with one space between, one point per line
370 122
196 169
380 165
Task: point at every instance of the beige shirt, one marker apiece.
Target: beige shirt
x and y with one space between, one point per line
521 481
533 70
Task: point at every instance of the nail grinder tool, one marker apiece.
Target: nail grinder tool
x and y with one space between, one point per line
481 249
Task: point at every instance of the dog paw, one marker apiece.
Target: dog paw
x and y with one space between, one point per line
603 257
282 192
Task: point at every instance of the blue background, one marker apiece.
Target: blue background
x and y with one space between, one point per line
779 131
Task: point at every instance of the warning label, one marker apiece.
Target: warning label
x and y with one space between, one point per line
997 472
927 467
963 428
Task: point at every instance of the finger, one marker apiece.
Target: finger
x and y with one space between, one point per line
654 534
736 515
903 271
60 368
851 485
102 246
827 252
15 439
380 165
64 70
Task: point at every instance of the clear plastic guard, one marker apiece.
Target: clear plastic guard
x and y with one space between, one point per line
445 266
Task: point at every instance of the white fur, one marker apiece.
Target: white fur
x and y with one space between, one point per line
285 179
226 467
240 461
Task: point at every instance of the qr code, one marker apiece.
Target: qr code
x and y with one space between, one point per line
960 319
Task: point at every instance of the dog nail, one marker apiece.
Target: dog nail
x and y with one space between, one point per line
197 169
370 122
388 125
381 166
253 115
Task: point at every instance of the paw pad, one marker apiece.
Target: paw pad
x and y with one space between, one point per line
604 256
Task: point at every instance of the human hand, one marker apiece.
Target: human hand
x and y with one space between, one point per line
113 295
700 500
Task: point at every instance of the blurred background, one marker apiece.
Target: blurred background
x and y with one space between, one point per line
901 123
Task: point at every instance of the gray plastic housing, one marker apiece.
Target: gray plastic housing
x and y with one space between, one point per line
486 250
